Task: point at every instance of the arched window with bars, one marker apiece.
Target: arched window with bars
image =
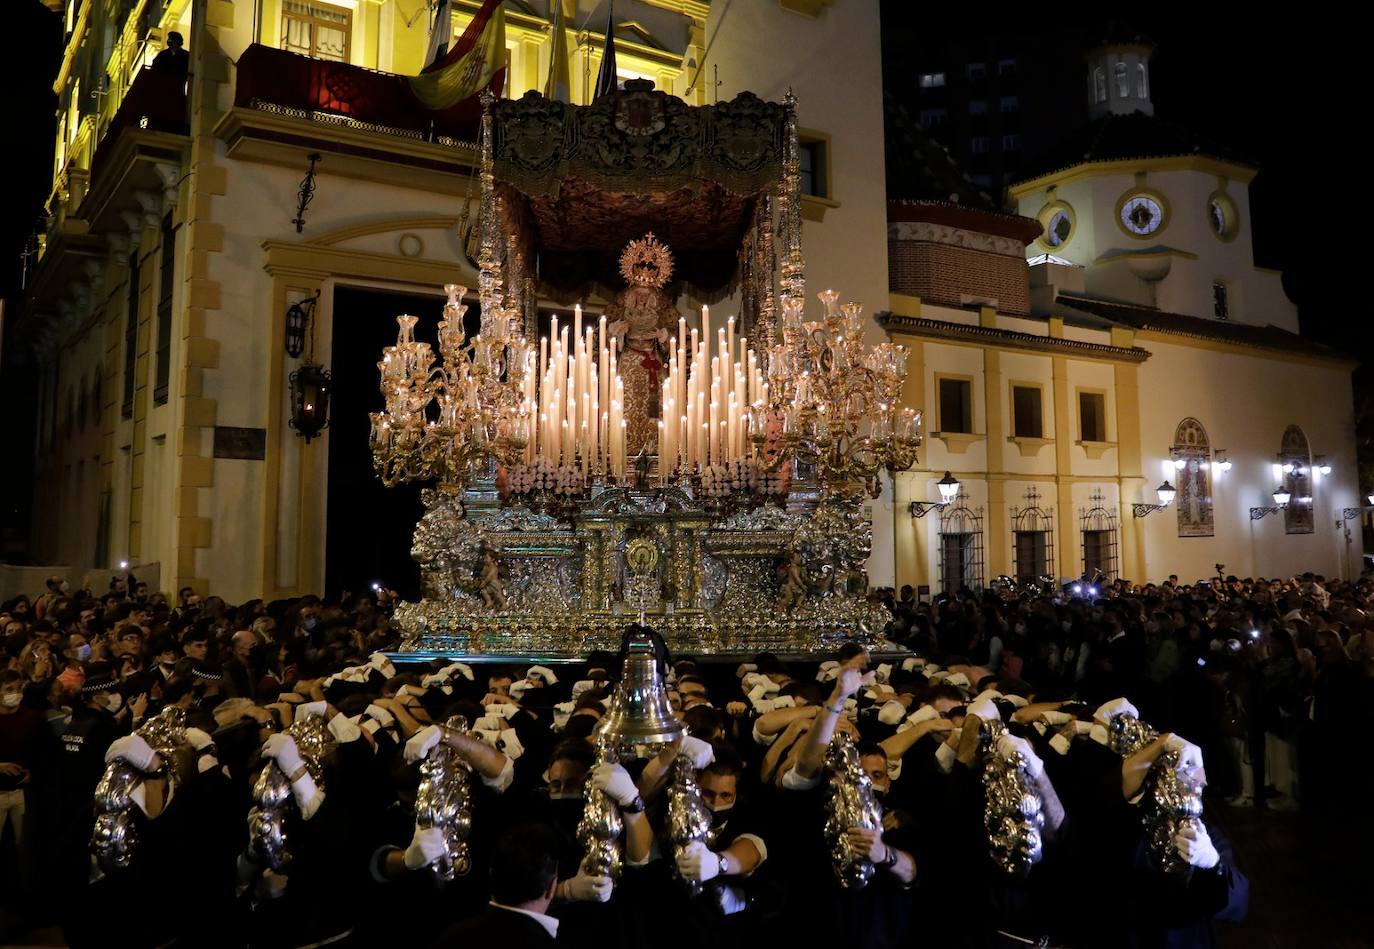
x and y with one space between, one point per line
1097 526
1192 456
1032 533
1295 459
960 550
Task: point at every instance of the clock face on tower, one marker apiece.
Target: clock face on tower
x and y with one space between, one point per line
1141 215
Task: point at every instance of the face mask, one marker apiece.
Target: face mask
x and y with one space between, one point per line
83 652
1020 629
565 796
114 702
11 699
720 815
308 623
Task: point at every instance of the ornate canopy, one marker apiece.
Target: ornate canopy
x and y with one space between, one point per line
576 183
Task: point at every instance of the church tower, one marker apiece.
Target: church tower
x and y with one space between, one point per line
1119 73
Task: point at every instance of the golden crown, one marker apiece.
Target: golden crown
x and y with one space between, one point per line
646 262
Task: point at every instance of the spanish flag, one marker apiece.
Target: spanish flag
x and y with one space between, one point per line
476 62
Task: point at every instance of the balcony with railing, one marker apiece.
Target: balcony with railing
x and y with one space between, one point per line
287 105
106 167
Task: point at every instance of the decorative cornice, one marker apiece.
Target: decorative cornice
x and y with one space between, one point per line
1007 339
955 237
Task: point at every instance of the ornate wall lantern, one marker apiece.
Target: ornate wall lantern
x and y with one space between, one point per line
311 383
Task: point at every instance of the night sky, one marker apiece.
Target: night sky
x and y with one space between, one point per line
1271 89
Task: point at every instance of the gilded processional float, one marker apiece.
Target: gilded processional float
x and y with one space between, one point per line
707 475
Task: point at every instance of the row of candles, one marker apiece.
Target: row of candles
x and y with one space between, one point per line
575 403
569 407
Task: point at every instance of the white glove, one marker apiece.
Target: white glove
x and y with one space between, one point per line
582 685
282 749
462 668
436 680
134 750
987 694
923 714
958 679
422 743
344 729
1189 754
697 862
198 738
545 673
1055 717
1195 846
616 782
379 714
891 712
1008 744
699 752
1110 710
426 847
312 708
912 662
744 668
883 672
985 710
586 889
382 664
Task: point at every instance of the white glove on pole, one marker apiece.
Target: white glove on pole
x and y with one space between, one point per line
1008 744
586 889
1189 754
426 847
616 782
1195 846
422 743
282 749
699 752
697 862
134 750
1110 710
986 710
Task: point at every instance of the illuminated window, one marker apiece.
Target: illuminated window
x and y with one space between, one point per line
1142 82
1099 85
1123 85
318 30
932 80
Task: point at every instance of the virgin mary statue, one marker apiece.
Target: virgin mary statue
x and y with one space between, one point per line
641 317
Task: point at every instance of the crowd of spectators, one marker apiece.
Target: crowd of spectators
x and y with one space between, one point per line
1268 681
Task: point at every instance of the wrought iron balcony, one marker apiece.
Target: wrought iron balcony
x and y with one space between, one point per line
289 84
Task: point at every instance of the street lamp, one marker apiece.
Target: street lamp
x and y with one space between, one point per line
1166 493
1281 498
949 490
